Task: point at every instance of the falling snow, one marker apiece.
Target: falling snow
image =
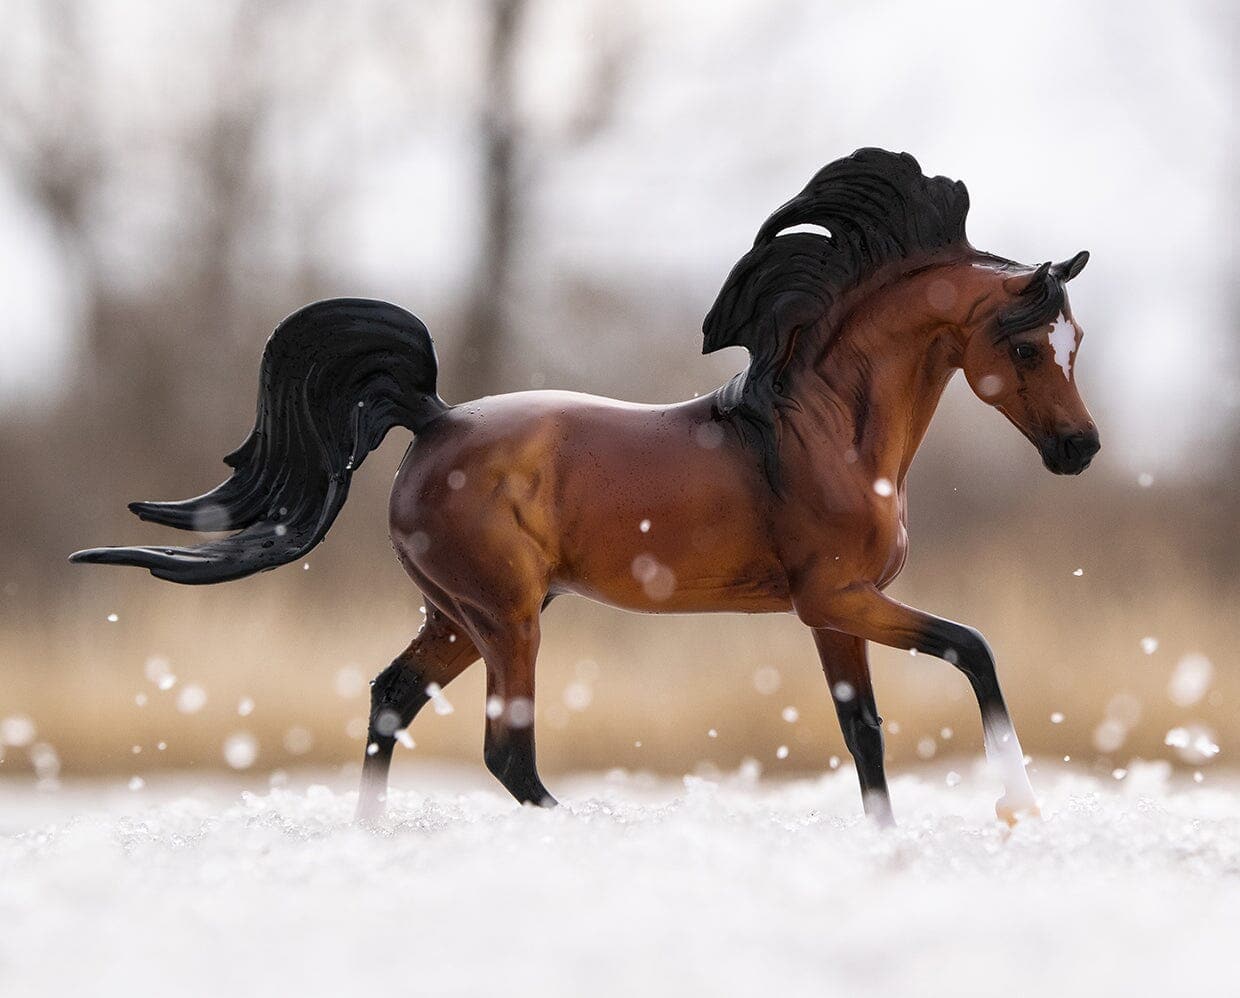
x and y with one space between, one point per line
1190 680
240 750
191 699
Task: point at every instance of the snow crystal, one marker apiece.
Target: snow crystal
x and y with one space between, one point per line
1194 743
1190 680
712 733
46 762
843 691
405 739
1057 717
1078 572
766 680
245 706
578 696
113 618
883 487
495 707
520 712
349 682
989 386
387 721
156 667
136 783
240 750
1149 645
708 435
790 714
191 699
644 526
1109 735
926 747
952 779
438 700
658 581
1145 479
17 731
781 752
298 741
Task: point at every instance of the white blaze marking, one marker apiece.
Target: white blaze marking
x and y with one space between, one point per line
1063 342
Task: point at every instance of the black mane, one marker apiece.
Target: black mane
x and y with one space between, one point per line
877 207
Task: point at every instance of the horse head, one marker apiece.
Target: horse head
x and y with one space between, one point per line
1021 359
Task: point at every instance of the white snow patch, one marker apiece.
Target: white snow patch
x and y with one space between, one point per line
633 886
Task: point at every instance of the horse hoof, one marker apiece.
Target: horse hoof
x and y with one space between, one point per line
1013 812
369 810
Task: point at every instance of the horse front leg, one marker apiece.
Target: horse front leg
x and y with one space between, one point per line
847 669
864 611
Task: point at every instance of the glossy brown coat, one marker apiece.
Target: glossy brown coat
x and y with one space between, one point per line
783 491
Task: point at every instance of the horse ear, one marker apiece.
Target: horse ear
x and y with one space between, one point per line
1022 283
1068 269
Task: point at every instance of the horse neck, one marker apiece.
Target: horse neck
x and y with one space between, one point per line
875 385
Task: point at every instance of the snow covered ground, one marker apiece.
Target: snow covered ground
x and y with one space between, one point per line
634 886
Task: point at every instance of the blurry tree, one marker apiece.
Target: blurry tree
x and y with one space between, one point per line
511 152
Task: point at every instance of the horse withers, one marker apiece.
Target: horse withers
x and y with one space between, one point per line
783 491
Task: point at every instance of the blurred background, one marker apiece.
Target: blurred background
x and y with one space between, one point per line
558 187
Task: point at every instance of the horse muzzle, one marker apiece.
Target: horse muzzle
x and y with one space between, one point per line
1069 453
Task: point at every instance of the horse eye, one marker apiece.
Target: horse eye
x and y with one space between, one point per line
1025 351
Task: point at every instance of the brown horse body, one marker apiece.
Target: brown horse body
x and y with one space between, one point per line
782 492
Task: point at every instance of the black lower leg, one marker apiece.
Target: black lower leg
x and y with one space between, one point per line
509 755
863 734
396 696
847 668
967 650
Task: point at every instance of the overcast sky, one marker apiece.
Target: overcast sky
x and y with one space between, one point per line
1106 126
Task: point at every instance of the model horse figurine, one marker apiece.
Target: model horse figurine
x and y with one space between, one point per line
783 491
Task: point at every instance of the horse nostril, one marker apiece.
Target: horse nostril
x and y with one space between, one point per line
1079 449
1085 445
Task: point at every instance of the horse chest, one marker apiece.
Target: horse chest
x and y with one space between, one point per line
840 545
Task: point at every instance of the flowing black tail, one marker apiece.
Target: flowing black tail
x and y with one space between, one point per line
335 377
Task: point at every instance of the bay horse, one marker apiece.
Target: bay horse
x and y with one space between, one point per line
781 492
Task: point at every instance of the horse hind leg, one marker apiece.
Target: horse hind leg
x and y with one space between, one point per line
440 653
510 650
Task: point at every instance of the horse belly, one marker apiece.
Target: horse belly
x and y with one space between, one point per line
666 530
